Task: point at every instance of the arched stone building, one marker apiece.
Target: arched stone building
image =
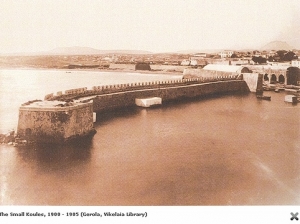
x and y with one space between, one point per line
293 76
279 74
213 70
273 76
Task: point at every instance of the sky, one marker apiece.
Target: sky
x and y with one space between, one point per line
150 25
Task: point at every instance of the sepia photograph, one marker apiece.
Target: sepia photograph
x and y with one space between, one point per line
161 104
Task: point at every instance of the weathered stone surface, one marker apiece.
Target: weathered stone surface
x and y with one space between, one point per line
55 124
58 121
254 81
125 99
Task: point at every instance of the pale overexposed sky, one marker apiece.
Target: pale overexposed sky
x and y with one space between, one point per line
152 25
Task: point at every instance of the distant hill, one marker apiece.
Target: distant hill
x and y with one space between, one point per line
88 50
277 45
76 51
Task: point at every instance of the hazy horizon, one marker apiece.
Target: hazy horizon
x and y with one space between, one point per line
155 26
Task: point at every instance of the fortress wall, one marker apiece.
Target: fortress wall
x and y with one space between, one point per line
108 89
169 68
80 122
55 125
126 99
122 66
254 81
52 124
197 73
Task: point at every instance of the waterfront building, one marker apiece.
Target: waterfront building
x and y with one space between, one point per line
284 74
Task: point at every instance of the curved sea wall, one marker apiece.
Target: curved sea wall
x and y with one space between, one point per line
72 94
110 97
69 115
117 100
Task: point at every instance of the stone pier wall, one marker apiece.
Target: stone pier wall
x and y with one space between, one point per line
71 94
125 99
59 118
254 81
55 124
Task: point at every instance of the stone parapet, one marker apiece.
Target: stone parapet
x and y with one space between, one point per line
126 99
107 89
56 121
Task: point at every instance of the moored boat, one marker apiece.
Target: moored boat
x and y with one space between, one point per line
262 97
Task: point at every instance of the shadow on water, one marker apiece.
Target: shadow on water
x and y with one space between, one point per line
51 157
209 97
107 116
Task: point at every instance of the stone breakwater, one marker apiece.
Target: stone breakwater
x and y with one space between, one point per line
110 97
72 94
69 115
55 121
120 100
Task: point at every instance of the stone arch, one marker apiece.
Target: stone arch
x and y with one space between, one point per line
281 79
273 78
245 70
266 77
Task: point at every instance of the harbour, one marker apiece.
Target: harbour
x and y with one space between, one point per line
216 150
149 111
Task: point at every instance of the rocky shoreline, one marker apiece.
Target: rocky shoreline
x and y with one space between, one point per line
11 138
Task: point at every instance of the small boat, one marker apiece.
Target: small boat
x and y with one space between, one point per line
263 97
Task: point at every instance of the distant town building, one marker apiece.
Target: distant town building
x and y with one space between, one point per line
257 53
108 59
271 53
193 62
200 55
142 66
226 53
227 68
296 63
185 62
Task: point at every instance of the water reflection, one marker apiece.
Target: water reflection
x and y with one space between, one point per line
48 158
108 116
226 150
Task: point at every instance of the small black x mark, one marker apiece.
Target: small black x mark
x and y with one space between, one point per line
294 216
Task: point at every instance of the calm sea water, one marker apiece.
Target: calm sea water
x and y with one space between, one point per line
222 150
